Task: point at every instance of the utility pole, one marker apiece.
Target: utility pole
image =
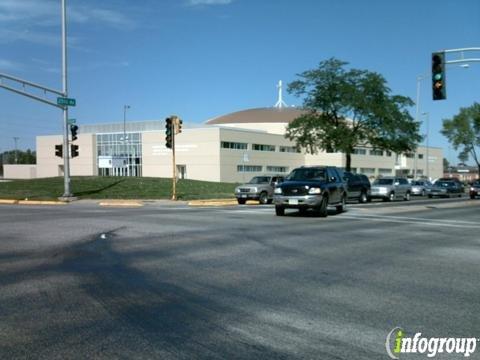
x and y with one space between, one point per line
66 157
20 87
15 139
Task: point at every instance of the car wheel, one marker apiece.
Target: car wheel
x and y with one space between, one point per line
430 196
241 201
269 201
343 206
279 210
323 208
472 197
391 197
263 198
363 198
407 196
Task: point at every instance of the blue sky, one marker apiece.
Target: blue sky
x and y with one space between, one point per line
204 58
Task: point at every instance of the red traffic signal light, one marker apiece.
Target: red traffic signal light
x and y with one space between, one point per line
168 133
74 150
59 150
439 89
74 130
178 125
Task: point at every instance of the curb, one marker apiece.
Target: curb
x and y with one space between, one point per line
31 202
217 202
4 201
40 202
121 203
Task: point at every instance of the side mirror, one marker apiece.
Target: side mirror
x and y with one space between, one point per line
333 179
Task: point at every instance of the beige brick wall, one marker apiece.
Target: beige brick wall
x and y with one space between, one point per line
48 165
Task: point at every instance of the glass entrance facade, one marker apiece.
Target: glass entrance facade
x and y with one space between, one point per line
125 152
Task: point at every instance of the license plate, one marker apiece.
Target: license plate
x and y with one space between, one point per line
243 196
293 202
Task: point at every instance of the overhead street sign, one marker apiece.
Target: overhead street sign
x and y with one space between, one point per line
66 101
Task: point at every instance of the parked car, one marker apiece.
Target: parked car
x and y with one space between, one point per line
391 188
421 187
455 180
446 189
358 187
474 189
316 187
258 188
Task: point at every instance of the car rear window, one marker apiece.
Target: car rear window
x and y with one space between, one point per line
383 182
307 174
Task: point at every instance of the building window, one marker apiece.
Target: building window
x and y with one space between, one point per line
261 147
233 145
367 170
358 151
249 168
420 156
410 156
385 171
289 149
376 152
388 153
277 169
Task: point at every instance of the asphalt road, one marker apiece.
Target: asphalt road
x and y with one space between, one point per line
173 282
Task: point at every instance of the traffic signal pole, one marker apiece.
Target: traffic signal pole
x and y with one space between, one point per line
67 194
22 87
174 178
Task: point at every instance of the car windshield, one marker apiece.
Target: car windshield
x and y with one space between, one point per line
417 183
383 182
307 174
444 184
260 180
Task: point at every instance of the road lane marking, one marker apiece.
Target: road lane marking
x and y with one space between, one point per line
414 221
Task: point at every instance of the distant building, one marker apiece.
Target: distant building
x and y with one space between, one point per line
230 148
463 172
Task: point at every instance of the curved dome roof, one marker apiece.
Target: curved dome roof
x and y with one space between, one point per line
258 115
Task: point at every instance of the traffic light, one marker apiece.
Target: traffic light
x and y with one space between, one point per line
73 130
178 125
74 150
59 150
439 88
168 133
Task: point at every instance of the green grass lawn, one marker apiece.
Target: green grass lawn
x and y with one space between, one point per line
92 187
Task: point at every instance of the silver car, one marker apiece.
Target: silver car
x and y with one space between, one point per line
391 188
421 187
258 188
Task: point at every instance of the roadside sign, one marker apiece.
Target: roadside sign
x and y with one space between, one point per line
72 121
66 101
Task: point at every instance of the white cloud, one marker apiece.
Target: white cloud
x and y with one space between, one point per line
8 65
209 2
27 20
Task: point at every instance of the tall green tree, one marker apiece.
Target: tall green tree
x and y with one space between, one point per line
463 132
22 157
346 108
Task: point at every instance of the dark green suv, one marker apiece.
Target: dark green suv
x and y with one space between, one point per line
313 187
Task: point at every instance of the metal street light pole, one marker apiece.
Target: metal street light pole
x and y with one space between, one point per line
125 137
427 137
125 107
417 110
15 138
66 154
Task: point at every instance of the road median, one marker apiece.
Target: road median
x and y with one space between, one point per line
121 203
213 202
